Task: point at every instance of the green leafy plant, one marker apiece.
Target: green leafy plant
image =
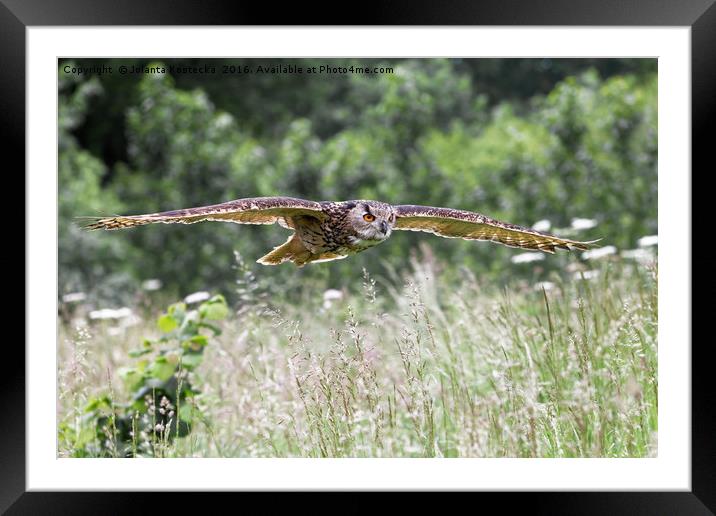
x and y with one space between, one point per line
163 404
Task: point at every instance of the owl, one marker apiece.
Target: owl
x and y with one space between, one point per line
325 231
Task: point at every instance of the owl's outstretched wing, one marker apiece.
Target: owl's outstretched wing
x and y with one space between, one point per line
449 223
257 210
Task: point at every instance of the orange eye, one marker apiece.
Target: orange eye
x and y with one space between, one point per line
368 217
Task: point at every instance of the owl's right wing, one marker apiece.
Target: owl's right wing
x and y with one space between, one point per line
468 225
257 210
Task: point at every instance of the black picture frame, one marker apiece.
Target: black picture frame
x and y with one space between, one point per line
17 15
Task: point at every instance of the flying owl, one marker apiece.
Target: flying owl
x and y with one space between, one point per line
325 231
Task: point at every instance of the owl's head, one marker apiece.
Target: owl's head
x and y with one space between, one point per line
371 220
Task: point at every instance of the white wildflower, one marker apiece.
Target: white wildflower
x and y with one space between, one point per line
542 225
331 295
527 257
580 224
197 297
601 252
74 297
648 241
110 313
152 284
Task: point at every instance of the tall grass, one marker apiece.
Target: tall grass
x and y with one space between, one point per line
435 367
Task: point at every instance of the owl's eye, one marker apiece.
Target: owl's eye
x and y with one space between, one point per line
368 217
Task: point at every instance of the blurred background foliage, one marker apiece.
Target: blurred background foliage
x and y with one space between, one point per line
520 140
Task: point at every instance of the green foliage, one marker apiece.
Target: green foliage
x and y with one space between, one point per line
428 361
606 155
441 366
84 260
163 398
575 139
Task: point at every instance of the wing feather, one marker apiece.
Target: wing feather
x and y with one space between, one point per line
256 210
468 225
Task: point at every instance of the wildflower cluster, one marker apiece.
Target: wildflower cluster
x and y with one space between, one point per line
163 398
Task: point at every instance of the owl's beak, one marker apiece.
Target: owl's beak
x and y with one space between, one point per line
384 227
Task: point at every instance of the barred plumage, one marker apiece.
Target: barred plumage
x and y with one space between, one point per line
325 231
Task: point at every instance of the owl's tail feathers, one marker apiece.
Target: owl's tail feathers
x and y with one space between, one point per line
292 250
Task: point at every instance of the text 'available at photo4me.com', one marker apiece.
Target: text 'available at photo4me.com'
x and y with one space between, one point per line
227 69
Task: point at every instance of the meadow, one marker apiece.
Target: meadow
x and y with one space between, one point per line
428 362
170 346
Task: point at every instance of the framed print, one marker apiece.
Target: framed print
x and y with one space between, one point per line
362 351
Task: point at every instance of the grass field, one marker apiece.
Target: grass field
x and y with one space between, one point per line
440 366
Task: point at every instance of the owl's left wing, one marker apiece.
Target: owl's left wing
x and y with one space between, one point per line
468 225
